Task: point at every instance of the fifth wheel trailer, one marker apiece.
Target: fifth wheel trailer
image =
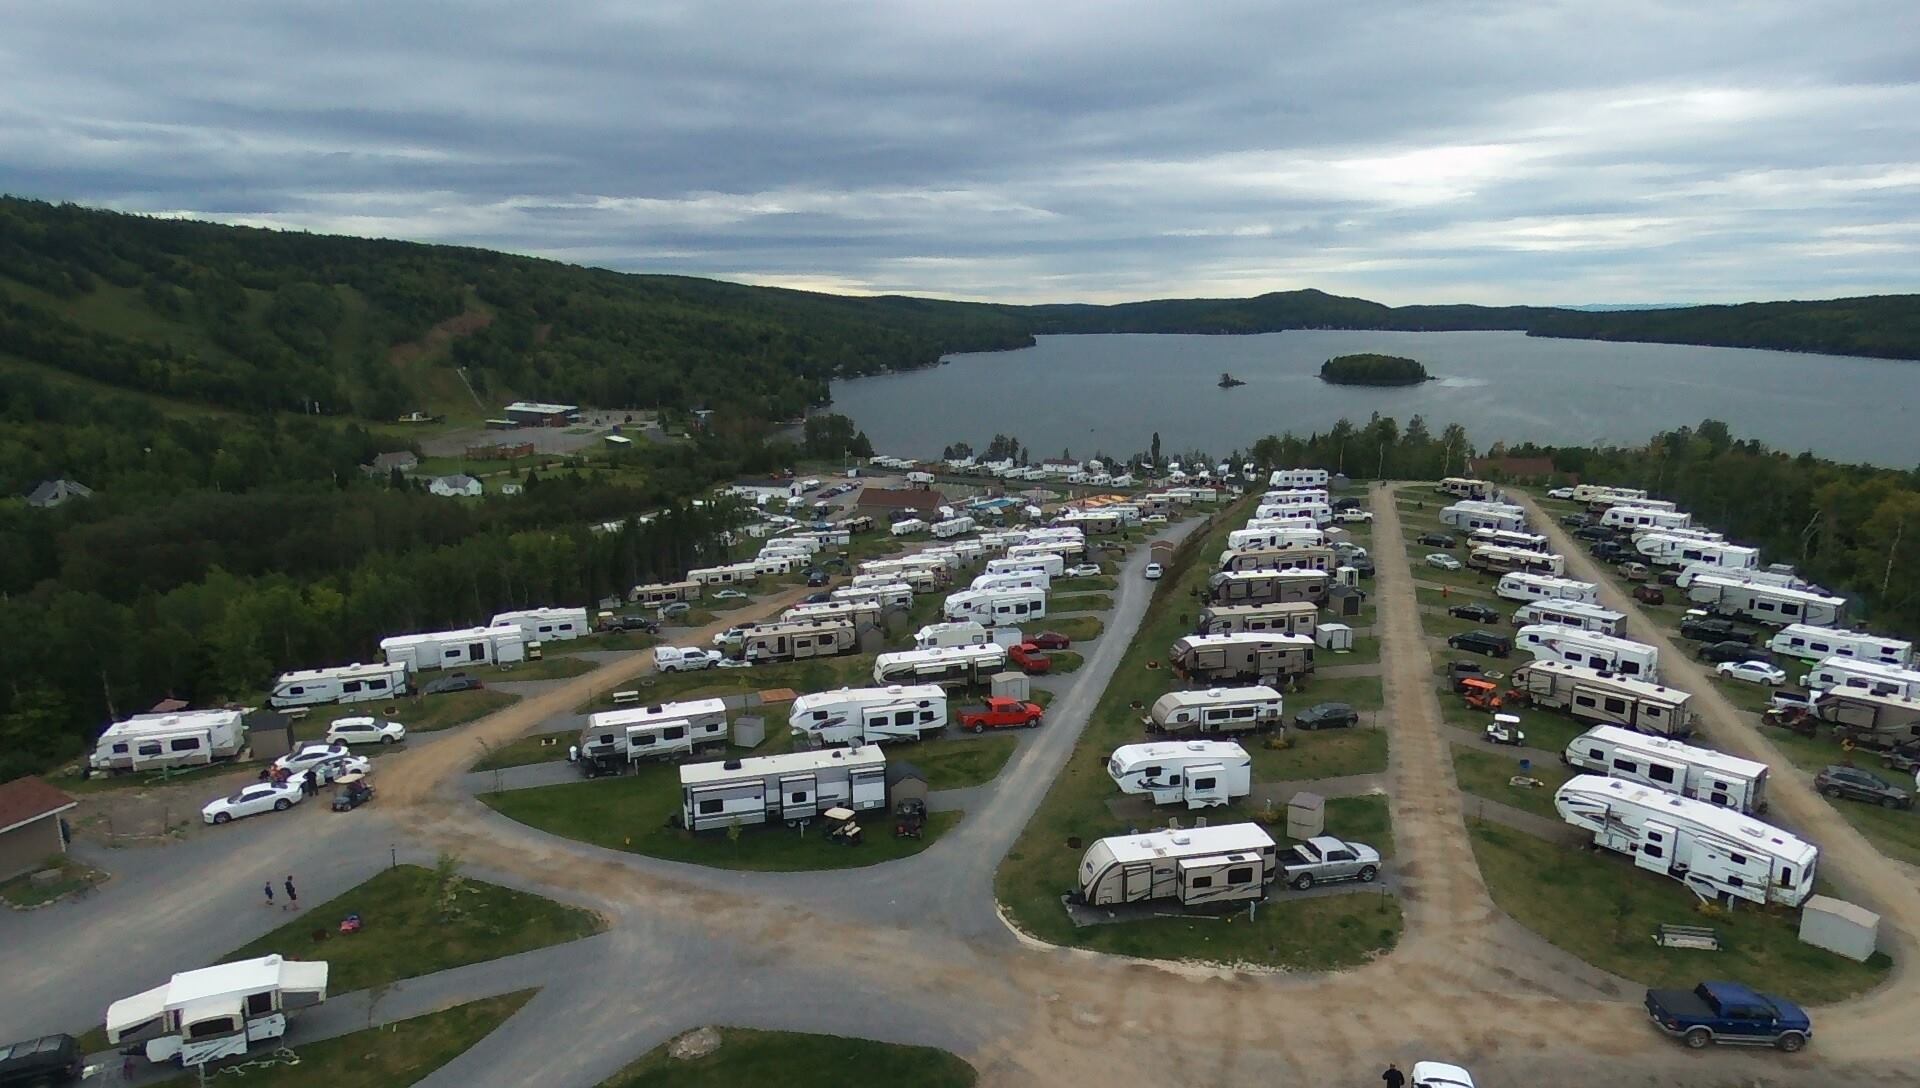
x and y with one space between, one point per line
997 606
1852 674
1236 560
344 684
869 715
940 665
452 649
1498 559
1265 656
1257 709
1809 643
1740 599
1665 764
1296 618
1526 586
1204 865
798 640
1587 617
792 787
1268 586
1602 653
1716 852
1484 515
661 731
1196 773
1604 698
1680 551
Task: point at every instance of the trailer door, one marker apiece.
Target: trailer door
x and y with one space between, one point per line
1136 882
1656 847
799 798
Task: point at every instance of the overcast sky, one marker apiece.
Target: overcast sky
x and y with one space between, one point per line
1409 152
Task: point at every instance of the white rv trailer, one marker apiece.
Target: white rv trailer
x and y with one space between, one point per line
798 640
904 563
1606 699
940 665
908 527
354 683
891 595
1861 716
1810 643
217 1012
1252 539
1526 586
1069 551
860 614
804 543
1602 653
1092 521
1587 617
1268 586
1297 494
1293 618
661 731
1683 534
1197 773
869 715
1462 488
1481 515
952 527
1650 504
1041 534
453 649
1321 559
1642 517
1853 674
1265 657
792 787
664 593
1227 863
1716 852
779 563
1053 565
965 633
1298 477
1498 559
1254 709
1765 576
1532 542
838 537
1737 598
1320 512
1026 579
1680 551
730 574
1668 765
187 738
867 581
993 607
546 624
1310 534
1599 493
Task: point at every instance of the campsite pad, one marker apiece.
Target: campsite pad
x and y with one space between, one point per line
1084 916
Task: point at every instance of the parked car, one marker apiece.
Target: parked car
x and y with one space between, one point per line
674 610
729 595
1083 570
1609 551
1460 671
1324 859
1575 521
1439 1075
1345 504
684 658
628 623
816 598
1858 785
1154 519
1361 563
1790 702
1327 716
453 681
1442 560
1353 516
309 754
1731 650
1649 595
1727 1012
1560 493
1051 640
1593 532
1153 572
1635 571
50 1059
365 731
1435 540
253 800
816 578
1482 642
1478 613
1753 672
1030 658
1710 629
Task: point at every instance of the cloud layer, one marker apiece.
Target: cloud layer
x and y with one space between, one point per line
1415 151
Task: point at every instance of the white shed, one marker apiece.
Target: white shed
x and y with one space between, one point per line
1840 927
1306 815
1334 636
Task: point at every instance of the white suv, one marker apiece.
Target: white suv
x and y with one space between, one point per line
365 731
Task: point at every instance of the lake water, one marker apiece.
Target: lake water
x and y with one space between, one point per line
1111 392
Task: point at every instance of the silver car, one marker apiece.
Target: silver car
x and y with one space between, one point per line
1324 858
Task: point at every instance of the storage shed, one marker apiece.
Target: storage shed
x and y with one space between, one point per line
1009 685
1334 636
30 831
1306 815
1840 927
269 733
905 782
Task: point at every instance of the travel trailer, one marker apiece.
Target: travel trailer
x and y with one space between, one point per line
1256 709
343 684
1202 866
860 614
546 624
1599 493
952 527
1716 852
779 563
1701 774
730 574
838 537
664 593
869 715
1853 674
1284 558
1602 653
1069 550
1298 477
1684 534
1051 565
883 597
1765 576
1498 559
1296 494
1296 618
997 606
1524 586
1642 517
1877 720
904 564
804 543
662 731
791 787
797 640
217 1012
1737 598
1606 699
1470 515
1025 579
453 649
1196 773
1092 521
1320 512
1269 539
1462 488
1810 643
1587 617
1532 542
1268 586
940 665
963 633
908 527
1680 551
1266 656
187 738
1303 530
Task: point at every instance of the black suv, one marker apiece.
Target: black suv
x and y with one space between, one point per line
51 1059
1609 551
1575 521
1729 650
1478 613
1698 629
1434 540
1857 784
1593 532
1326 716
1482 642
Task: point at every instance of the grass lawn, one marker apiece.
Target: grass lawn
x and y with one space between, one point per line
1545 729
399 1053
630 813
1104 583
1363 693
1077 628
1321 933
1442 626
611 640
1320 753
75 876
1894 832
1750 697
538 748
1081 602
1484 772
549 667
404 935
423 713
1598 907
1366 651
1064 662
819 674
955 764
797 1060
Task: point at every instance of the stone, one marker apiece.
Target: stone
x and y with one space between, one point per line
697 1043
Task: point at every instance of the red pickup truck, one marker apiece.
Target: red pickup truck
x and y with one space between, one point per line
1001 713
1031 659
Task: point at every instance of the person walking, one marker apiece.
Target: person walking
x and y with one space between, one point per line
293 898
268 887
1393 1076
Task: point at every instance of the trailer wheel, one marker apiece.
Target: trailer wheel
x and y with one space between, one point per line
1698 1038
1303 882
1369 874
1791 1041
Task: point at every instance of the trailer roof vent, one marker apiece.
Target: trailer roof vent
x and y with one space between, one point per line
731 765
1181 838
1196 746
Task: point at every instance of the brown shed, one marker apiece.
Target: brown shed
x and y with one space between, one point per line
30 831
905 782
269 734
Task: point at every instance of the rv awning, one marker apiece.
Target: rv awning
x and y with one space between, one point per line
132 1012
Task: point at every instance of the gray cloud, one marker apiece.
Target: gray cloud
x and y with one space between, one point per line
1410 152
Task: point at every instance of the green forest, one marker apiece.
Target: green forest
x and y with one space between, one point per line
1370 369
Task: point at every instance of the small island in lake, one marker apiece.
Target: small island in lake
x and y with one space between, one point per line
1370 369
1228 381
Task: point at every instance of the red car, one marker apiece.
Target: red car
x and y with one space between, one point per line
1051 640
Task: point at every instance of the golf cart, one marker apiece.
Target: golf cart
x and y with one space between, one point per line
1505 729
842 826
350 791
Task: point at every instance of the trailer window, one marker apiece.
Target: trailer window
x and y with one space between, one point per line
1660 774
709 808
1204 783
1616 706
1626 766
1737 859
797 797
184 744
376 685
211 1029
259 1004
150 748
1200 882
1786 875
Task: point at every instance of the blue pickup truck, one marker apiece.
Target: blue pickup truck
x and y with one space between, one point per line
1727 1012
